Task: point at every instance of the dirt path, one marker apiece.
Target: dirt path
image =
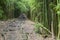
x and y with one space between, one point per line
19 30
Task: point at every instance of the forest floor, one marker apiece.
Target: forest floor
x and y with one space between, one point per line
26 26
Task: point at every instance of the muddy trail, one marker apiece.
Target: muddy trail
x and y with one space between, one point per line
19 30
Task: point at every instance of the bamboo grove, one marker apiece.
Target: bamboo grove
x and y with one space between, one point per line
46 12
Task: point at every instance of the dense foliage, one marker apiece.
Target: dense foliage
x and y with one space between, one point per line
45 12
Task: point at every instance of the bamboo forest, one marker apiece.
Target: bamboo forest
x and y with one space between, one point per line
29 19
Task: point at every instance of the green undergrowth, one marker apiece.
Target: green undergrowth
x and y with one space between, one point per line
40 29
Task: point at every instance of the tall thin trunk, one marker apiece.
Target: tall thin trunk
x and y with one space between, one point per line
55 20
